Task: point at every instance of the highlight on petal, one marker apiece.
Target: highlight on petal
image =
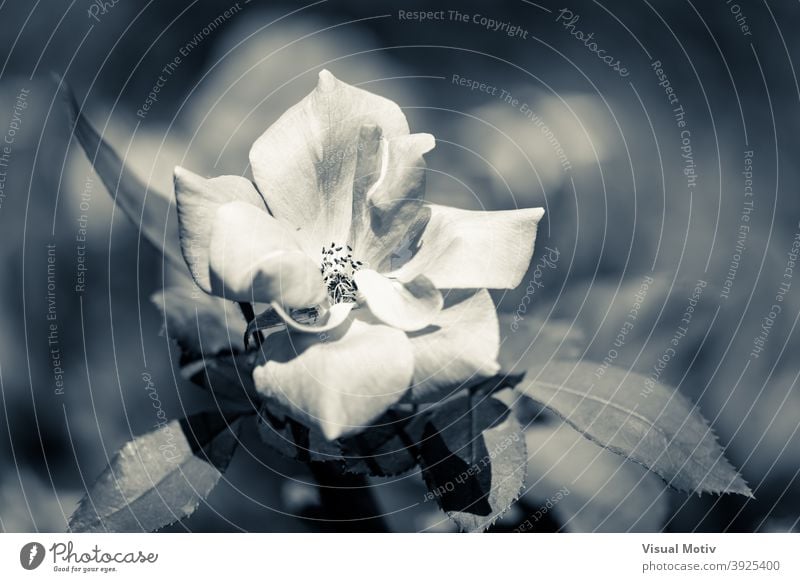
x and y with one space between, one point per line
339 382
255 258
305 163
460 348
466 249
198 201
408 306
394 203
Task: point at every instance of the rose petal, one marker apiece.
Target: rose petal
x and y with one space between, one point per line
198 201
305 163
255 258
464 249
460 349
390 215
370 164
408 306
339 382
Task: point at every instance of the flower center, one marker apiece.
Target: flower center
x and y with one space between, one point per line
338 268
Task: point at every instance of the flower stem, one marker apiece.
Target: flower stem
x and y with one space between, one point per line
347 500
247 311
250 315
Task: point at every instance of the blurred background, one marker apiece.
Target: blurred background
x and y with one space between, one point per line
667 162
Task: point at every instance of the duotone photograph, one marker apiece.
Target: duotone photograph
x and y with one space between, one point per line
398 267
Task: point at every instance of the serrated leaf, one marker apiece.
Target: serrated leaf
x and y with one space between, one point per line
640 419
389 448
473 460
588 488
147 208
201 324
295 440
227 376
160 477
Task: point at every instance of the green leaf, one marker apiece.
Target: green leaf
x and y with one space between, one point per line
473 460
160 477
147 208
586 487
640 419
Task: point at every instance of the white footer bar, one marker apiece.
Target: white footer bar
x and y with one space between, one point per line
400 557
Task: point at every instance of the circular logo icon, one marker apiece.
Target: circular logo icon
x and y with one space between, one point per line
31 555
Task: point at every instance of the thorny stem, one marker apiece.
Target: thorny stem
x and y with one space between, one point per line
347 500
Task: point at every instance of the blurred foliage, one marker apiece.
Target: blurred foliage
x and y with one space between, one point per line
622 212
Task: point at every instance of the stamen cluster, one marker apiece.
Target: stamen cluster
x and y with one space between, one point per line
338 268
